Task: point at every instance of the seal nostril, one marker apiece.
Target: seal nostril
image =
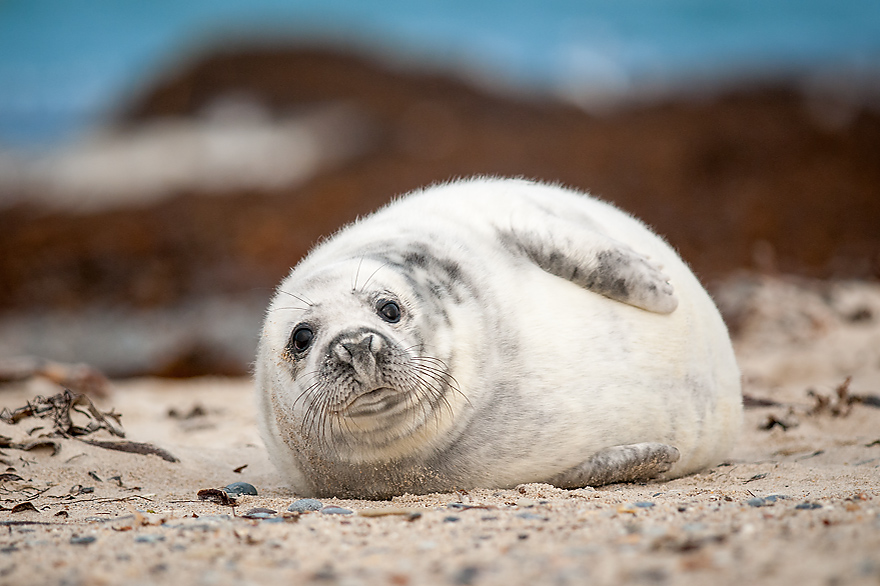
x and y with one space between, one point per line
359 349
365 349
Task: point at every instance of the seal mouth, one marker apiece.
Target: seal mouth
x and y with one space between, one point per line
381 400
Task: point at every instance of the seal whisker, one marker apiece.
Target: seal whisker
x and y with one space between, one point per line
301 299
430 393
373 274
307 390
357 273
443 372
443 381
289 308
434 396
418 387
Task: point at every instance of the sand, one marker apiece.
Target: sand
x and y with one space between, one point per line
107 517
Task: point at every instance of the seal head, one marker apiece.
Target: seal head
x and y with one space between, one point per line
364 368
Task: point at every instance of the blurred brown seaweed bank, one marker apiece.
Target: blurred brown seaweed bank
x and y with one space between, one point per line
153 246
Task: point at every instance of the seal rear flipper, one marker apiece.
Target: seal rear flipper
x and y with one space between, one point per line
588 258
629 463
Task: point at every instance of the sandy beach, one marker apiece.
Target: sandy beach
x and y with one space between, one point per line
797 502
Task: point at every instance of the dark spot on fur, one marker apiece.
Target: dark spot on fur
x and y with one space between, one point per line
605 278
429 275
416 259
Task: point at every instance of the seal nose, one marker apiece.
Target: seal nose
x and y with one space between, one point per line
358 350
361 354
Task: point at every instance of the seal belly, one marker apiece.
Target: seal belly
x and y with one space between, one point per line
601 373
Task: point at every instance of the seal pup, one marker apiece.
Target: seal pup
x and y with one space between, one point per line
491 332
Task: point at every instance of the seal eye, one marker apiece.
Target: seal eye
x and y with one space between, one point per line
301 338
390 312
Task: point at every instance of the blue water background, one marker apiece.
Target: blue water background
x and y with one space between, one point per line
66 64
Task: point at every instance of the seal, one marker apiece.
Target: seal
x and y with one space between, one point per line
491 332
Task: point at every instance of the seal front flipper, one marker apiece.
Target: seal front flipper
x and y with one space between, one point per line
584 256
629 463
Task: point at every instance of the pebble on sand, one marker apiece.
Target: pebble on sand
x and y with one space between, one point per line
260 513
305 506
336 511
83 540
240 488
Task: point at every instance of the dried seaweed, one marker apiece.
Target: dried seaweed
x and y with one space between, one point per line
25 506
60 409
750 402
840 404
196 411
785 423
215 495
133 448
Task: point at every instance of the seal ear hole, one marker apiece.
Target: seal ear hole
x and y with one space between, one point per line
301 338
389 311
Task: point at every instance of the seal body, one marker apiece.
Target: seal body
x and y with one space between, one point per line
487 333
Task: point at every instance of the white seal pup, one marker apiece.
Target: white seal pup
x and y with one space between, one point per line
487 333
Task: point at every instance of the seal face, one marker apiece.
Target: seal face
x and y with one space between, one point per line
487 333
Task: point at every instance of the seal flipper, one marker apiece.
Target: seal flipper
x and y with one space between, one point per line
592 260
629 463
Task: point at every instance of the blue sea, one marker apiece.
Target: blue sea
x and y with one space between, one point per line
66 65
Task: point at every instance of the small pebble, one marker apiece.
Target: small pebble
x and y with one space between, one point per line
809 506
83 540
260 513
240 488
149 538
336 511
305 505
531 516
451 519
282 519
644 504
757 502
776 497
465 576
